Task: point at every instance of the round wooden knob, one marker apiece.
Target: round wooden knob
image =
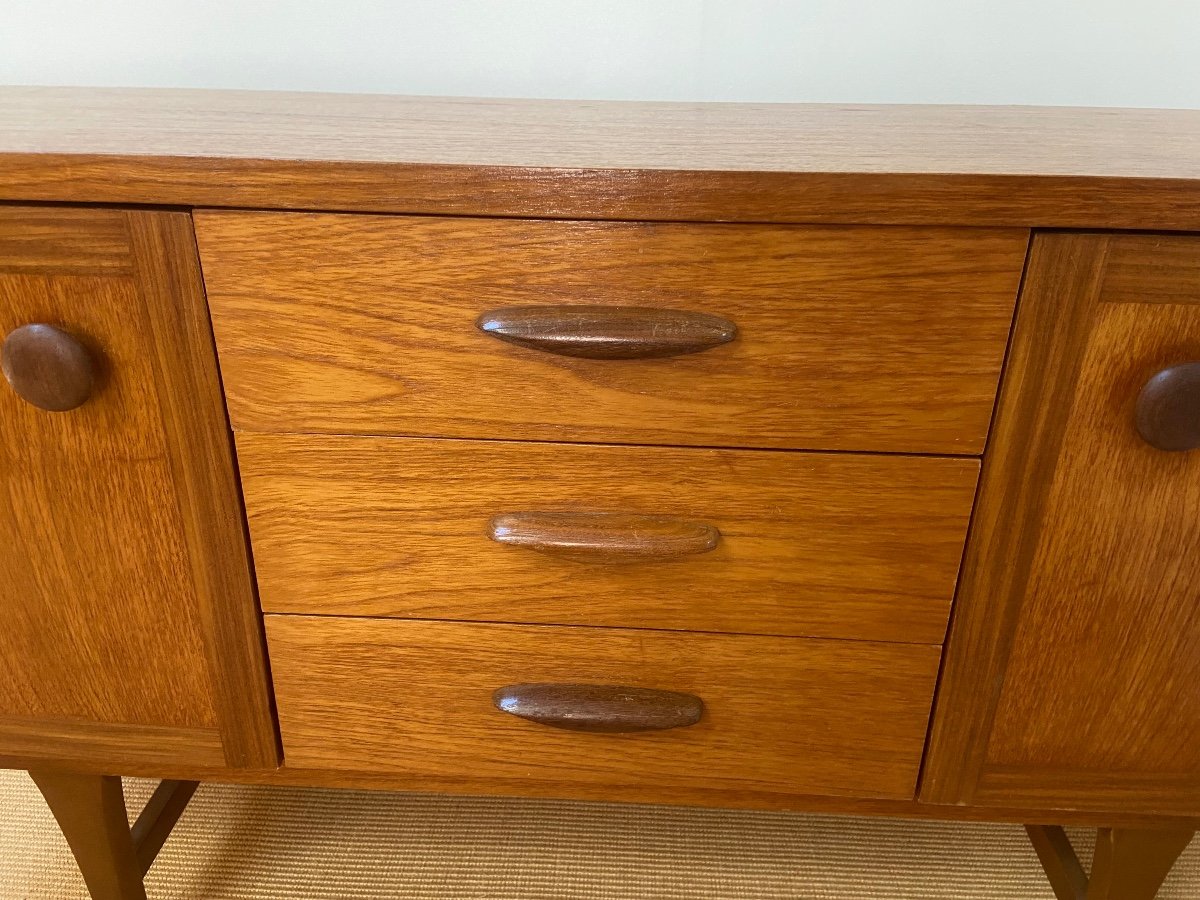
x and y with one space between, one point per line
48 367
1168 408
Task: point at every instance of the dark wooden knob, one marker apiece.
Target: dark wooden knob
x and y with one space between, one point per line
48 367
604 536
608 332
1167 414
600 707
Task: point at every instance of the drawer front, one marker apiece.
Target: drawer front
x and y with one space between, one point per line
847 338
780 714
831 545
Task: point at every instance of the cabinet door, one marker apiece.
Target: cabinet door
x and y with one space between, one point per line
1072 676
128 625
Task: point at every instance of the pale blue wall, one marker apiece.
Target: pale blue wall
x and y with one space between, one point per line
1092 52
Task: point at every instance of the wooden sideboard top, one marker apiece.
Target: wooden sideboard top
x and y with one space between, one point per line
1028 166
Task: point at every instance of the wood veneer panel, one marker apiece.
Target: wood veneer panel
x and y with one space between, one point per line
126 603
831 545
1093 168
205 481
62 240
1075 650
1152 268
849 338
113 745
781 715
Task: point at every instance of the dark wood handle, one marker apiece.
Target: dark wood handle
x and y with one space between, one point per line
48 367
1167 414
603 536
608 332
600 707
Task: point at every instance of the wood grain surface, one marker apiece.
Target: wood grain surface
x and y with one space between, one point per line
204 478
471 784
830 545
781 715
80 743
1019 165
65 240
120 531
849 338
1075 649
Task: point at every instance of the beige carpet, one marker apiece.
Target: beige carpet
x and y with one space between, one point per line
238 842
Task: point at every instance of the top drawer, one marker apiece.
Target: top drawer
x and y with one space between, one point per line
847 338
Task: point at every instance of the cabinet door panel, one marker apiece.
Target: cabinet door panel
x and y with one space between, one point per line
128 626
1073 668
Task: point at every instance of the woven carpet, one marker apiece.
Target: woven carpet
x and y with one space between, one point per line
248 842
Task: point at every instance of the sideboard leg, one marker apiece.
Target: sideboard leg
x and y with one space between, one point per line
1129 863
1058 858
90 810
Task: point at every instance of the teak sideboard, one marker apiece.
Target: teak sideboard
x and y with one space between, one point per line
840 459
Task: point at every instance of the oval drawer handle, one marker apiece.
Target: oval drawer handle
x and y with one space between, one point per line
1167 414
603 536
599 707
48 367
608 332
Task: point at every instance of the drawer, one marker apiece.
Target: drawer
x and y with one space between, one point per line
843 338
781 715
772 542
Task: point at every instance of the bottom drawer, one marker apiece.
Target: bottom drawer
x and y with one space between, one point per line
782 715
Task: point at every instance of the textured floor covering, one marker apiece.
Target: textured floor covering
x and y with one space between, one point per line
239 842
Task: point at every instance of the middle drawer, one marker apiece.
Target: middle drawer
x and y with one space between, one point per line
766 542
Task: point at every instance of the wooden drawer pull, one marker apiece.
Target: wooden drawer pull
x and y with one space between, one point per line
603 536
1167 414
599 707
48 367
608 332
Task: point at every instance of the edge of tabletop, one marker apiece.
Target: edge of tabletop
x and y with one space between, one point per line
734 162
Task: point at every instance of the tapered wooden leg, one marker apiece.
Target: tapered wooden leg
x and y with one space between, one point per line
1058 858
90 810
1132 864
158 817
1129 863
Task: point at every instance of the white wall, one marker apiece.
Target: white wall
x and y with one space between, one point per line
1090 52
